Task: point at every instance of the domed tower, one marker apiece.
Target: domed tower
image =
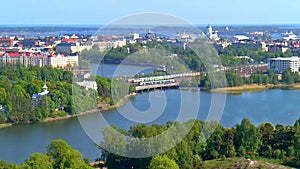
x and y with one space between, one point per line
45 90
210 31
149 34
45 87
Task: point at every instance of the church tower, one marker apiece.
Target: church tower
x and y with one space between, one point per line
210 31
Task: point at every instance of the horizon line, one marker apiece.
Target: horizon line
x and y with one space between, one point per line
198 24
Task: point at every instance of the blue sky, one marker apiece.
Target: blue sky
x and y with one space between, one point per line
104 11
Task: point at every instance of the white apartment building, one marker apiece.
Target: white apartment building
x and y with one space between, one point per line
279 65
63 61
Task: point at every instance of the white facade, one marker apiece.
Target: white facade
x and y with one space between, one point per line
63 61
279 65
104 46
88 84
212 35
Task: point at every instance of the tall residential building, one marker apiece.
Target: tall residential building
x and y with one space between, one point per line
279 65
26 59
62 61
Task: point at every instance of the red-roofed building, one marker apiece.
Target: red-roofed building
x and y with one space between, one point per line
24 59
6 42
69 40
296 45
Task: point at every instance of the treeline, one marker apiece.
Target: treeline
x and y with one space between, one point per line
19 83
111 91
117 55
192 58
204 141
233 79
59 155
229 55
280 143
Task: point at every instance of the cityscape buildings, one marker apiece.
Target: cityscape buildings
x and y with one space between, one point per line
279 65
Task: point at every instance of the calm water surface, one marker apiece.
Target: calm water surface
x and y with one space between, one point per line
276 106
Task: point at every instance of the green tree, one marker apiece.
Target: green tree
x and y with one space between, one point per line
38 161
64 156
3 95
162 162
287 77
267 131
297 141
248 136
2 117
215 143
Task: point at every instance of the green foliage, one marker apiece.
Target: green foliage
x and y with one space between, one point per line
248 137
290 77
110 91
38 160
228 55
297 141
18 83
244 140
163 162
233 79
2 117
64 156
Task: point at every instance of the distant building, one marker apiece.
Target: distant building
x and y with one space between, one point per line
212 35
36 98
6 42
88 85
106 45
26 59
275 49
68 48
3 109
62 61
135 36
241 37
279 65
253 45
149 35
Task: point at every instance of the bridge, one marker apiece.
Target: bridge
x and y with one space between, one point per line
160 82
140 89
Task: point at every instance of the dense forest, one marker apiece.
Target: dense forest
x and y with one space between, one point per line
280 143
204 142
19 83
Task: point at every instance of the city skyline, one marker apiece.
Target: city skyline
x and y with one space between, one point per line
94 12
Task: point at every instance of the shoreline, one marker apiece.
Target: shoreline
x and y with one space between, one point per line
101 108
254 88
240 89
5 125
228 90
